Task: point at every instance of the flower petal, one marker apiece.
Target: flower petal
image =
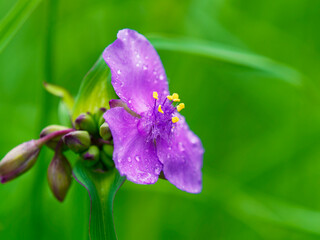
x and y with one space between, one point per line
136 70
134 157
182 157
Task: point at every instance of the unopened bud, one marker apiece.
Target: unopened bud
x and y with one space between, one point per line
104 131
52 143
77 141
106 156
91 156
59 176
86 122
19 160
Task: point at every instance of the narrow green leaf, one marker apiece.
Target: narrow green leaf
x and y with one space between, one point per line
95 91
12 22
227 54
102 188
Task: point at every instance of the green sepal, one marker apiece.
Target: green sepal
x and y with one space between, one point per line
95 91
102 187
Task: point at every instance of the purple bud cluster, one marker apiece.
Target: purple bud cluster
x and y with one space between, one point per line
90 138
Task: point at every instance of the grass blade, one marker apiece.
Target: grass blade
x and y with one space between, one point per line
12 22
227 54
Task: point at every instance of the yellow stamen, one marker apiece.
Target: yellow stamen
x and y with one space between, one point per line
159 109
180 107
175 119
155 95
174 97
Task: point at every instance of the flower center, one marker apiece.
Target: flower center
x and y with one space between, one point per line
159 121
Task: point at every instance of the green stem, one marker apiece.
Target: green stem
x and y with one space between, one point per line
102 188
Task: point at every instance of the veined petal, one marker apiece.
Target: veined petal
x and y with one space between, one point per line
182 157
134 157
136 70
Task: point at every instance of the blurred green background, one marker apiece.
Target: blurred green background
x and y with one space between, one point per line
258 118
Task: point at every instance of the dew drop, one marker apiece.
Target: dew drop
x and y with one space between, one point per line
154 72
161 77
129 101
168 155
119 160
119 71
181 147
138 65
157 170
145 67
137 158
169 148
129 159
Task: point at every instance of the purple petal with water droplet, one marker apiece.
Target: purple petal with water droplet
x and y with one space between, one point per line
136 70
182 158
134 157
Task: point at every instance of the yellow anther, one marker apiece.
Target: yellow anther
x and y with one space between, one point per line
174 97
180 107
159 109
175 119
155 95
170 97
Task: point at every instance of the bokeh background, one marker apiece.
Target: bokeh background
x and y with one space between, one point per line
248 72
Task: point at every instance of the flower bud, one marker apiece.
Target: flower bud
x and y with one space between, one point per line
77 141
105 131
91 156
106 156
19 160
59 176
52 143
86 122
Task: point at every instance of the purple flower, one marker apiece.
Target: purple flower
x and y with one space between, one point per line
149 134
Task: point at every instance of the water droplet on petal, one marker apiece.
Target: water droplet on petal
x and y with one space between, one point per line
145 67
119 71
129 159
181 147
137 158
138 65
119 160
154 72
161 77
157 170
169 148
